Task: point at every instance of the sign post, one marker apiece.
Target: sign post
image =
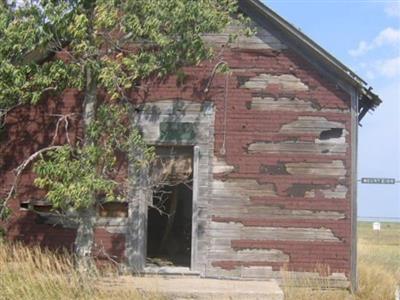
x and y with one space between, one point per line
371 180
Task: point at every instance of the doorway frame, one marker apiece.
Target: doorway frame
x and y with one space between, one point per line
195 187
201 116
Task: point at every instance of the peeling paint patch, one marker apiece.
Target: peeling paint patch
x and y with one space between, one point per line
262 40
310 125
274 213
168 107
278 169
287 82
273 255
288 104
324 148
335 168
340 191
303 190
236 231
242 187
311 190
221 167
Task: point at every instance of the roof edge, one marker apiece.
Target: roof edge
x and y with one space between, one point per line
368 99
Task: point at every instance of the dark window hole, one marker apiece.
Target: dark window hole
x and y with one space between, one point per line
24 205
331 134
113 210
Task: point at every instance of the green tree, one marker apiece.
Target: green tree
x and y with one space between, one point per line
104 44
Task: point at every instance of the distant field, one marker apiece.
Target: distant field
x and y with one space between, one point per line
381 248
378 267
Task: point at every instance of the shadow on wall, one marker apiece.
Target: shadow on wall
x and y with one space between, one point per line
29 229
26 130
109 247
173 121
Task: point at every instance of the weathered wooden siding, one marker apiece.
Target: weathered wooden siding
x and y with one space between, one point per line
280 193
285 179
277 195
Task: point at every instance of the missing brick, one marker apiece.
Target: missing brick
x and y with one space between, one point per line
278 169
332 133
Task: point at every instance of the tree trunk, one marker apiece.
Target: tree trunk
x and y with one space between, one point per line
85 238
87 217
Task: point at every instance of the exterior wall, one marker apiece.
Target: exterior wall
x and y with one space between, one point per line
279 191
26 130
280 196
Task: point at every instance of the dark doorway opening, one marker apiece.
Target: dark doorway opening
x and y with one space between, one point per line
169 224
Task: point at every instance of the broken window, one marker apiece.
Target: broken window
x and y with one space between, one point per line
169 226
113 210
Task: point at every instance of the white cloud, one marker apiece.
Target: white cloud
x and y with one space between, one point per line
389 67
392 9
383 68
362 48
387 37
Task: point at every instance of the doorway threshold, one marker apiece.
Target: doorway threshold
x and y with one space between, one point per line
154 270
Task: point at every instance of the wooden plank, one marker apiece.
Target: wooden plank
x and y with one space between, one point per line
335 168
228 253
241 188
289 104
221 167
136 240
262 40
307 190
270 212
298 147
339 192
354 177
236 231
195 209
288 82
310 125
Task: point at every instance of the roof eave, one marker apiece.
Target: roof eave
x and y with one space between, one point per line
370 99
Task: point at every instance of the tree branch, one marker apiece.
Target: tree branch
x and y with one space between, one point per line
5 111
18 173
62 118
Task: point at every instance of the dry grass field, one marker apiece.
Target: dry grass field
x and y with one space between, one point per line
378 268
31 273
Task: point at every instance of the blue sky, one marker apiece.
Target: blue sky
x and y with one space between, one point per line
365 36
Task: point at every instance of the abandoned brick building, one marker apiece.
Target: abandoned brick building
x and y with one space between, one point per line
270 150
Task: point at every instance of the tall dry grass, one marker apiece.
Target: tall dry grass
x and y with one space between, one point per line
378 261
378 269
29 273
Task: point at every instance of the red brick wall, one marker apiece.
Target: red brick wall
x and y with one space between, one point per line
30 129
